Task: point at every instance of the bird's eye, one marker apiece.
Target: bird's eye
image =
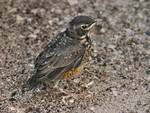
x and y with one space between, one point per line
83 26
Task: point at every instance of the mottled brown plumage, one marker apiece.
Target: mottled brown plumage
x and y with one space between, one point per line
65 55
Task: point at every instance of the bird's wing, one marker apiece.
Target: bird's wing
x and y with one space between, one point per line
52 64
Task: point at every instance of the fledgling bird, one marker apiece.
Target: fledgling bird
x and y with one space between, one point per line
66 54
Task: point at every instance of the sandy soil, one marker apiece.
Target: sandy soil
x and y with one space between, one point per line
115 80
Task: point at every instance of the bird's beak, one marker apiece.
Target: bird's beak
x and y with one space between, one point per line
97 20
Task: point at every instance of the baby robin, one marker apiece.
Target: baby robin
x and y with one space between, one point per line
65 55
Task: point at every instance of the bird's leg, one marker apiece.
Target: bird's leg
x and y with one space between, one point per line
56 84
67 92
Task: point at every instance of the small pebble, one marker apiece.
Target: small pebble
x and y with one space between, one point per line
13 10
19 18
115 93
103 30
14 93
148 33
111 46
71 100
90 83
12 99
92 108
76 81
72 2
36 31
33 35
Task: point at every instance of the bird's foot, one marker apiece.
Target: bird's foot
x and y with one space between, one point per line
69 93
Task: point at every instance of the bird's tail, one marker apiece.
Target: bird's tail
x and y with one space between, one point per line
33 83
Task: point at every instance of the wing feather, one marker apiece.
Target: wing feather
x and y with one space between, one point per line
58 62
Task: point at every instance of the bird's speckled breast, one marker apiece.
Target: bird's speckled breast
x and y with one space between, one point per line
76 71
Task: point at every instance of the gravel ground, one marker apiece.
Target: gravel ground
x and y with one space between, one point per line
117 78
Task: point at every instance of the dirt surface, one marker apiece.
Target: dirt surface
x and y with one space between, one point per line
115 80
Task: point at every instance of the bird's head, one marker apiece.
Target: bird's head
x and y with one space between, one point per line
81 25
